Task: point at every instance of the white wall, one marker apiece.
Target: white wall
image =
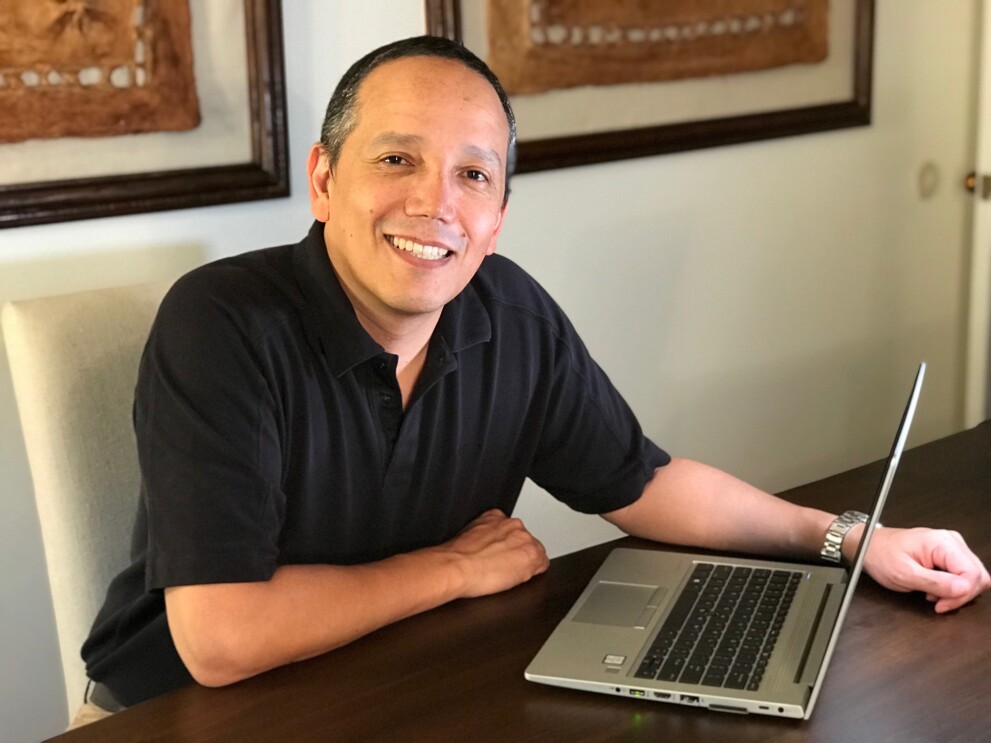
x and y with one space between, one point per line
761 306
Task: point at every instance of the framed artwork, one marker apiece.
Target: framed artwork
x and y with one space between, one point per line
599 80
130 106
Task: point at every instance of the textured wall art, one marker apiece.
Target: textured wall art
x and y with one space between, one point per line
599 80
112 107
95 68
539 45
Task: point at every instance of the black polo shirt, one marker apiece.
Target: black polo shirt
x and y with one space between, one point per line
270 431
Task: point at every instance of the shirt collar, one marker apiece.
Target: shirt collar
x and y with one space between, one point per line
464 322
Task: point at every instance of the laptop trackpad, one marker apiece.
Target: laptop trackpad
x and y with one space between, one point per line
618 604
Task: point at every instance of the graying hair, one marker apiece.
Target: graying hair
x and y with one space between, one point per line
342 110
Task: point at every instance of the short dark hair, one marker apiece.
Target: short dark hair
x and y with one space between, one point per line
342 114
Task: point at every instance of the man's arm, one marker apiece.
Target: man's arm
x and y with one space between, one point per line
689 503
228 632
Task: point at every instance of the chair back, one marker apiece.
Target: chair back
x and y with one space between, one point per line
74 361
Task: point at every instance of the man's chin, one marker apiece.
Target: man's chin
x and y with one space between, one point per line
417 309
421 305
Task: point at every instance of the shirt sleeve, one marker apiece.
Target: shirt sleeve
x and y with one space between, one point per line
592 454
208 443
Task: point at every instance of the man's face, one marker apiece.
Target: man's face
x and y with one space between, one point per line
414 202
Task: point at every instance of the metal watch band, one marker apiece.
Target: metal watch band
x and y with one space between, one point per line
831 548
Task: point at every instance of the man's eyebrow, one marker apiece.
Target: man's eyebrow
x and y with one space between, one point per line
489 157
393 139
396 139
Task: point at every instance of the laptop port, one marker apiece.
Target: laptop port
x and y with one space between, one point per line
637 693
689 699
661 695
728 708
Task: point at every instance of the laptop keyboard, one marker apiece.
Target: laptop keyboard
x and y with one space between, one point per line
723 627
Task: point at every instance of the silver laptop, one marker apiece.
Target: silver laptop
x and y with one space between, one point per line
728 634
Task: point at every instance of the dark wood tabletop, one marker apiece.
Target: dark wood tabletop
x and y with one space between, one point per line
900 672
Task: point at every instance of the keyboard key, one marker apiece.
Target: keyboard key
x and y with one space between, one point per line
692 674
647 670
737 680
715 676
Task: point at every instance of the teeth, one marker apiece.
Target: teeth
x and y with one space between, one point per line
427 252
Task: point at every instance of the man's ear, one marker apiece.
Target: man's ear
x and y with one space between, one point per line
496 230
320 178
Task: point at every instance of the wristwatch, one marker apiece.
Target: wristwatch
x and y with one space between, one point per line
831 548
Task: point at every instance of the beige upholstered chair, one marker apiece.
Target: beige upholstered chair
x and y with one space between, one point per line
74 361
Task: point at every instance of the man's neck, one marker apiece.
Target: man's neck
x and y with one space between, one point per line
406 337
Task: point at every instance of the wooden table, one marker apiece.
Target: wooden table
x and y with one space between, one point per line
455 674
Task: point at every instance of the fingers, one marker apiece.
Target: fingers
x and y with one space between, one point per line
492 516
495 553
960 575
945 590
937 562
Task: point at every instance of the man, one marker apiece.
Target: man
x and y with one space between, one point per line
332 433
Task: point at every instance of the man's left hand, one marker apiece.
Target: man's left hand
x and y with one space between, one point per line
935 561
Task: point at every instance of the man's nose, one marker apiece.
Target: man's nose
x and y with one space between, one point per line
431 196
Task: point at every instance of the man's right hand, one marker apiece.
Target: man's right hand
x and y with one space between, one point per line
495 553
228 631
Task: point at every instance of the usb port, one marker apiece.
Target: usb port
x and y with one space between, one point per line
689 699
637 693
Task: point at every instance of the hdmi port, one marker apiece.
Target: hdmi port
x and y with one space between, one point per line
661 695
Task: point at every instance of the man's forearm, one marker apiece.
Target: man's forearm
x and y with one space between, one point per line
227 632
689 503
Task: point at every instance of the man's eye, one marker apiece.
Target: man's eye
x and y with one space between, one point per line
477 175
394 159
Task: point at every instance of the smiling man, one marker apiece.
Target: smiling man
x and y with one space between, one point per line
331 434
412 198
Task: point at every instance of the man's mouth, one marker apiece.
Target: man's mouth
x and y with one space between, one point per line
426 252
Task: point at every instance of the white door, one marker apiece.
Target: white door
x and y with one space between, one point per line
977 381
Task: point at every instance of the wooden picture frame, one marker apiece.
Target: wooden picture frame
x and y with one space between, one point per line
265 176
444 18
